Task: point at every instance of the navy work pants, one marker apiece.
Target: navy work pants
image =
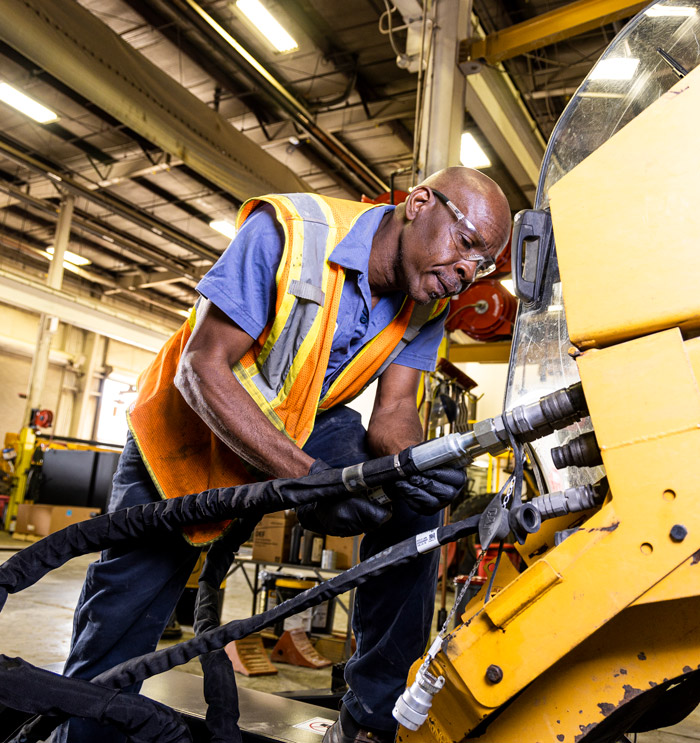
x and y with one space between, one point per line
129 595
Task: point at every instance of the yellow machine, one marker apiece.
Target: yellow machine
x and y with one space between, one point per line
600 636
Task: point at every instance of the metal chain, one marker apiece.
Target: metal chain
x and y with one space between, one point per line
509 491
442 634
444 629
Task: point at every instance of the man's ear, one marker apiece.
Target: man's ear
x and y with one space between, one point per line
420 197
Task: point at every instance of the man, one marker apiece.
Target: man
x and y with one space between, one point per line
314 299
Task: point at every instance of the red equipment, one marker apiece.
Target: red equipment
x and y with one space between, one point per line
42 419
485 311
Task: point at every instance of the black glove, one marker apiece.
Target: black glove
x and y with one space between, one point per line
342 517
430 491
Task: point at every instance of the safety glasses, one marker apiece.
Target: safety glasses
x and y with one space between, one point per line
468 240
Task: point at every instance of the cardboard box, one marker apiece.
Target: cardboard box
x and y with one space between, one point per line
343 548
39 519
272 536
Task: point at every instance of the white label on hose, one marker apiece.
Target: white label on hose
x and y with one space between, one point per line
427 541
379 497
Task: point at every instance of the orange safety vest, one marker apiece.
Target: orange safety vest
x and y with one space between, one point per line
285 367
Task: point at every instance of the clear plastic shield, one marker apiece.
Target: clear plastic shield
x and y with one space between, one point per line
643 61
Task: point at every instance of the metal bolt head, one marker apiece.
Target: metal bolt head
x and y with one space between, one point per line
678 532
494 674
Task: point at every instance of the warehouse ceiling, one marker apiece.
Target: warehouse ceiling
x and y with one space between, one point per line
171 112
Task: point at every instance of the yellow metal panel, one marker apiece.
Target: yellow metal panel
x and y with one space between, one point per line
562 23
634 378
497 352
627 226
610 669
531 584
621 551
692 348
683 582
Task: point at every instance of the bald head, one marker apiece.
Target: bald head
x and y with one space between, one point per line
479 197
420 250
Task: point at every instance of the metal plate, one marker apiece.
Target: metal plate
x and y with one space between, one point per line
264 717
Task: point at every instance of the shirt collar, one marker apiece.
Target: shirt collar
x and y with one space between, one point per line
352 252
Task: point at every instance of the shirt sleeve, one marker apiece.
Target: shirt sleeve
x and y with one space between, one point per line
421 352
242 282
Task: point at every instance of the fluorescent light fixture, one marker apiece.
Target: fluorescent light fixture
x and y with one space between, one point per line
267 25
70 257
615 68
26 105
470 153
670 10
224 227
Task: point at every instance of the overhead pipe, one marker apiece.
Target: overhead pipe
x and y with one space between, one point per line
111 285
108 201
100 229
281 95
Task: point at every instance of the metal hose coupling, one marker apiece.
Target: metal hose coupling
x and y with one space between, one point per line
412 707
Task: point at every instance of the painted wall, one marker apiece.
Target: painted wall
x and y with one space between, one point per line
79 361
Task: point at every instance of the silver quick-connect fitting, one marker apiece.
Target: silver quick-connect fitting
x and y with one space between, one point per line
412 707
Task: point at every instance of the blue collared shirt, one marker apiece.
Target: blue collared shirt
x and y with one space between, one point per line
242 285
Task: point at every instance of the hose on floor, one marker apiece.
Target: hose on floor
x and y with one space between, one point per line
248 502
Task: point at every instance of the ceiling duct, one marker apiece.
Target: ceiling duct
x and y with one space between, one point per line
73 45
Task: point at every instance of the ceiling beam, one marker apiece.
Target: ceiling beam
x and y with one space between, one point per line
279 91
495 105
147 280
73 45
94 226
563 23
113 203
89 314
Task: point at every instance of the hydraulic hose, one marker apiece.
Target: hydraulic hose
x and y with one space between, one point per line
219 682
525 423
32 689
553 411
138 669
246 504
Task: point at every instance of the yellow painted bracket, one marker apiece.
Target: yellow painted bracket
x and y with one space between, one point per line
622 551
26 443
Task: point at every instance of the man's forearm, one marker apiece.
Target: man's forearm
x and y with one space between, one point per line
394 429
231 413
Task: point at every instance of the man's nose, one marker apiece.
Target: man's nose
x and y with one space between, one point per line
466 271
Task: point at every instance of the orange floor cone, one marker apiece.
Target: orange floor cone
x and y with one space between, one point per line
248 657
295 647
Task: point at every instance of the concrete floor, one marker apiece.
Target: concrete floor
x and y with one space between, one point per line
36 625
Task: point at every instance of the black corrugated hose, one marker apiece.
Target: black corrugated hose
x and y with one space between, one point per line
38 691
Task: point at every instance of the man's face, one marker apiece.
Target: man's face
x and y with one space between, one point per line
440 255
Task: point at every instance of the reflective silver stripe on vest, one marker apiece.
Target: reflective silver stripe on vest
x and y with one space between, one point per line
308 291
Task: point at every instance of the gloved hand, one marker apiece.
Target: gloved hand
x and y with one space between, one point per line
342 517
430 491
